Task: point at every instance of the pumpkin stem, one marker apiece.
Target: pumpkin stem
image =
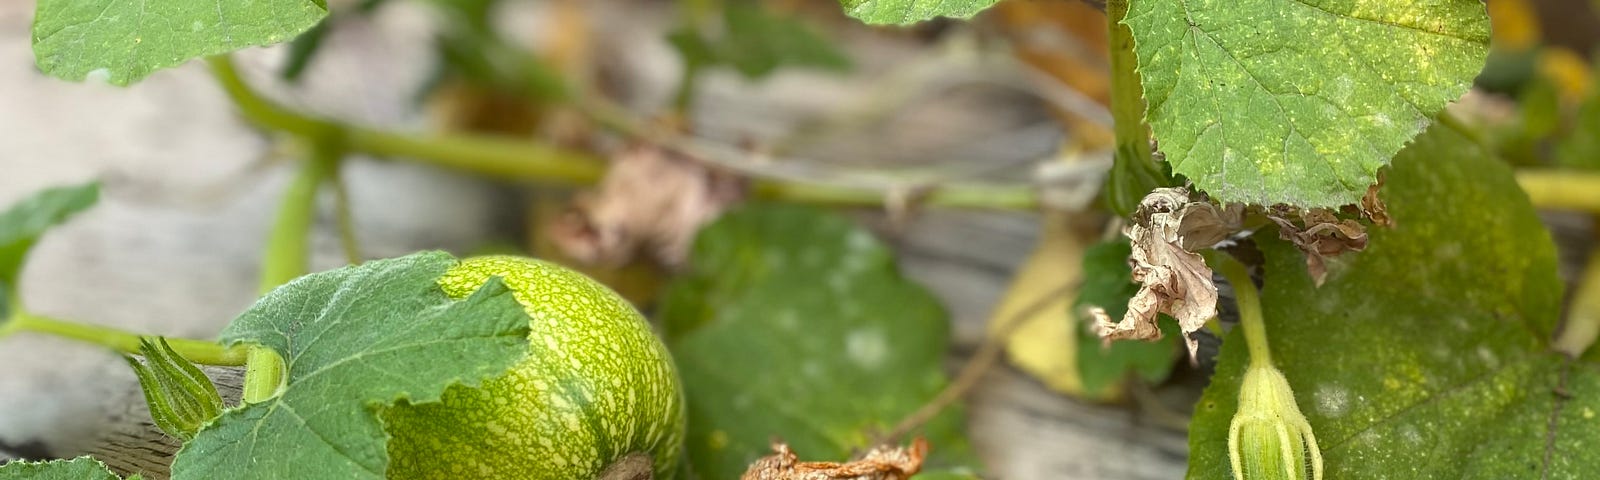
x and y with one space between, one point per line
633 466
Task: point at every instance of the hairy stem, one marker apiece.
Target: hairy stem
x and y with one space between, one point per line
263 375
197 351
1249 301
1134 171
1127 94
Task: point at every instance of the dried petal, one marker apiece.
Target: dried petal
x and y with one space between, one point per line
651 199
1173 279
881 463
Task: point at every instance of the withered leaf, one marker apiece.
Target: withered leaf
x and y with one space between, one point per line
1372 206
651 200
1320 235
881 463
1168 227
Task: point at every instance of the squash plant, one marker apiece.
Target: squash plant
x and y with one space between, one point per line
1399 311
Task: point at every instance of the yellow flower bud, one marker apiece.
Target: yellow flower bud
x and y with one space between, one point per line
1269 438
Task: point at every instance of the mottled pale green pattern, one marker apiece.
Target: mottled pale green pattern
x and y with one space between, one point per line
793 323
1425 356
1299 101
352 340
904 12
23 223
81 468
131 38
596 385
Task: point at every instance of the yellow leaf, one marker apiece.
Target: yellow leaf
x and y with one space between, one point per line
1044 341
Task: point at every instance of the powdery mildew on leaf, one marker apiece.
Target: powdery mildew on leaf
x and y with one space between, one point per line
129 39
1299 101
788 317
1428 355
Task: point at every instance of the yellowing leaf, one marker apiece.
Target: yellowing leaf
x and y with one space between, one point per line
1044 342
1299 101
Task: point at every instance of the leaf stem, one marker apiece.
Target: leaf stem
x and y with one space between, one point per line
1249 301
197 351
288 250
263 375
510 159
1582 324
346 219
1134 171
1561 189
1127 94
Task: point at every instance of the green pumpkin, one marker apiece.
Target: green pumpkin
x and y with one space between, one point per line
596 386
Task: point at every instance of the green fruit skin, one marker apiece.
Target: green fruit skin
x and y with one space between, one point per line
597 385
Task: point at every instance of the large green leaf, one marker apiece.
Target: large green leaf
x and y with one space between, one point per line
795 324
1425 356
352 340
129 39
904 12
1299 101
81 468
24 222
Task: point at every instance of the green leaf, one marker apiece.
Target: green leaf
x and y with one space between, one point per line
905 12
795 324
758 42
302 50
1299 101
81 468
129 39
354 339
1108 284
1427 355
24 222
305 48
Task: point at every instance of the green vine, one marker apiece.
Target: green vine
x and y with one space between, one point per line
198 351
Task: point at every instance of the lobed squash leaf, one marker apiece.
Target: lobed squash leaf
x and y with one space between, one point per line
1427 355
352 340
795 324
1299 101
129 39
